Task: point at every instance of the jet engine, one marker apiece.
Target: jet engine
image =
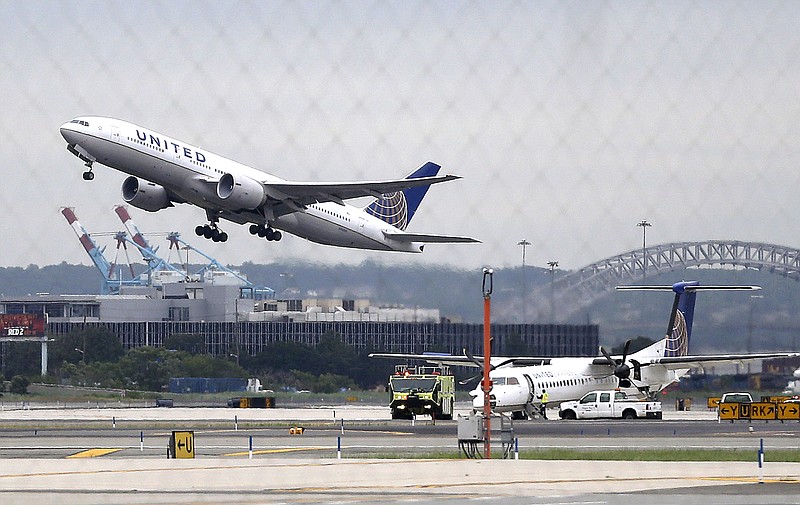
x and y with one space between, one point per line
240 192
145 195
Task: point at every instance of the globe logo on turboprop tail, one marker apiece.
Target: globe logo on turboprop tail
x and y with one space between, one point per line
678 342
391 208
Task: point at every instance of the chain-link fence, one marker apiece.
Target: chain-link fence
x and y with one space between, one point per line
570 121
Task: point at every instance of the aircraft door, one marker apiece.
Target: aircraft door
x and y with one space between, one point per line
115 133
531 388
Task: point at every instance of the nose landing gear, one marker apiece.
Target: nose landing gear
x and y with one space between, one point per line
267 232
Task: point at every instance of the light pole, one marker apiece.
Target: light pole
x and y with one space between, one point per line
553 265
486 383
644 223
236 327
524 243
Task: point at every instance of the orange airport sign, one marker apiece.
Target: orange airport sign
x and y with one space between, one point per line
762 411
730 411
788 411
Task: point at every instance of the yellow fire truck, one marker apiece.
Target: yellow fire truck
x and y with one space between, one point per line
418 390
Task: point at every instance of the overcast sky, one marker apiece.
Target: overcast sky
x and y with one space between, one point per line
569 121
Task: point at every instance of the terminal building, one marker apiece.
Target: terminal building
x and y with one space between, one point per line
234 322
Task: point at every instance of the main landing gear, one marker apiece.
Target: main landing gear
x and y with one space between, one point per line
211 231
265 232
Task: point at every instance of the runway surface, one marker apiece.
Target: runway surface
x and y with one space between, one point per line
101 455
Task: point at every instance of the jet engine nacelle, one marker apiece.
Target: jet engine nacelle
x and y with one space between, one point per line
145 195
241 192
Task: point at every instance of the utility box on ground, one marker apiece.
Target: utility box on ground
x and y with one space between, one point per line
470 428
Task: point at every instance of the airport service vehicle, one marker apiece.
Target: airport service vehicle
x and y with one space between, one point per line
609 404
421 390
164 171
518 381
741 397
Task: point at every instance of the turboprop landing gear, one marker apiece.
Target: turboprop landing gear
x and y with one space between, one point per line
265 232
211 231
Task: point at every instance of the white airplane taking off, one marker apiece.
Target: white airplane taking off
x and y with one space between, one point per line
518 382
164 171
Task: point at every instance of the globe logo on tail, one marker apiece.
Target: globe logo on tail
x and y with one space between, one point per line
678 341
391 208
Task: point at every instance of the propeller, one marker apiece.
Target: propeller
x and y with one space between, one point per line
475 360
621 368
479 364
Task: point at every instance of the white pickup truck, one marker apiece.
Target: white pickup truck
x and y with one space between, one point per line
609 404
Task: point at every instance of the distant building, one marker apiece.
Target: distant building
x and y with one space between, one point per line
230 324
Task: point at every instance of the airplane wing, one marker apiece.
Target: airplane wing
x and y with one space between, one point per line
435 358
681 362
306 193
431 239
453 360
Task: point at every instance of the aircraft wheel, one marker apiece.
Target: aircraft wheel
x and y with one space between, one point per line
269 234
208 232
88 176
254 229
277 236
223 237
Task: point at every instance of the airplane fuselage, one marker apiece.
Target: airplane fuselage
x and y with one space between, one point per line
166 170
564 379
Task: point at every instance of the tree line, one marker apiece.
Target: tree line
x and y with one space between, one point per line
94 357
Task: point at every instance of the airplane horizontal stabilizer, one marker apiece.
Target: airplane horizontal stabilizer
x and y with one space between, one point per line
684 287
431 239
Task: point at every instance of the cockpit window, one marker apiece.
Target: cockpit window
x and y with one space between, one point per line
80 122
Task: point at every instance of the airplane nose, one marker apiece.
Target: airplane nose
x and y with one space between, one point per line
68 133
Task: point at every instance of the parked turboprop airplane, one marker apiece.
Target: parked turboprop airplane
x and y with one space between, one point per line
164 171
518 382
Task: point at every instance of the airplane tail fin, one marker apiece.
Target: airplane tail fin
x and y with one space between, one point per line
679 329
399 207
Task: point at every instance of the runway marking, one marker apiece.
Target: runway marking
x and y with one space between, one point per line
784 480
93 453
278 451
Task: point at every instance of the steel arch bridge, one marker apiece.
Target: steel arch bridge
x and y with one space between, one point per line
582 287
